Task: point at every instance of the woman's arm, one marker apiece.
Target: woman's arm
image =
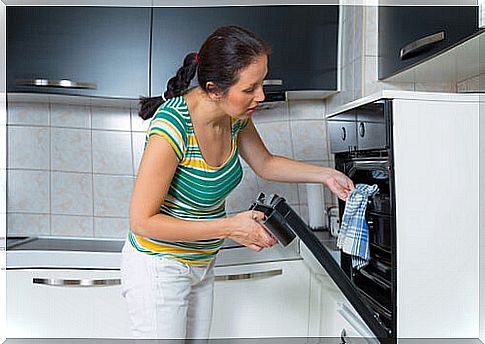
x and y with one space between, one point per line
155 174
281 169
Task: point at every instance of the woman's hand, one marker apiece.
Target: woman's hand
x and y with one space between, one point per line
339 184
246 229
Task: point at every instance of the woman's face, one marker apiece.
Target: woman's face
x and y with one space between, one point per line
241 99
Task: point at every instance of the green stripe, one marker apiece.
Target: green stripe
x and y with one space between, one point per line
199 192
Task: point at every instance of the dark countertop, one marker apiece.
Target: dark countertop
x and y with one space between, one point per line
293 340
76 244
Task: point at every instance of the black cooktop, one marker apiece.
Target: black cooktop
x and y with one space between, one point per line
75 244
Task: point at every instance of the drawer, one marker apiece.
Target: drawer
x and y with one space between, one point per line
343 136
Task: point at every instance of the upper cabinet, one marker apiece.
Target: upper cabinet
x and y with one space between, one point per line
409 35
303 41
92 51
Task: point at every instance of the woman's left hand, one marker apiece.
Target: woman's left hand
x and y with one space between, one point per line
339 184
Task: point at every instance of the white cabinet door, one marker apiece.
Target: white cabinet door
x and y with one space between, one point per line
49 309
261 300
331 314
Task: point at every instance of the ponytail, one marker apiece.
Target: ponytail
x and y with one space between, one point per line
176 86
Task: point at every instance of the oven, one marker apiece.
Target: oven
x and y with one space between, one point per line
362 144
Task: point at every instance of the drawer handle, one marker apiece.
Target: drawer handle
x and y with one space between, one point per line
362 129
343 133
421 43
64 83
355 322
273 82
59 282
251 275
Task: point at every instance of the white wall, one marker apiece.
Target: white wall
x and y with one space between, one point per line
3 182
482 219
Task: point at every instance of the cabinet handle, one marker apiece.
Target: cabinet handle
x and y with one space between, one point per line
421 43
357 324
362 129
343 133
59 282
64 83
273 82
250 275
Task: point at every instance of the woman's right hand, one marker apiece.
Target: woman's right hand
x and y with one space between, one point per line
246 229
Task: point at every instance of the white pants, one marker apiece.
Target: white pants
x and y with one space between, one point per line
166 298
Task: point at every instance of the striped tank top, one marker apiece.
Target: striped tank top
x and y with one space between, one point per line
198 190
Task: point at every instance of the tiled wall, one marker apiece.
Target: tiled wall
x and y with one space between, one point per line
295 130
71 167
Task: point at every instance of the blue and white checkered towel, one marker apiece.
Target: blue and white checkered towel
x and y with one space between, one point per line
353 238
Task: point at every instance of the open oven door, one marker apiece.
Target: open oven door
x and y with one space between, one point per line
286 224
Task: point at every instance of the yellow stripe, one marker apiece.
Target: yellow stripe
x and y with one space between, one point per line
192 262
166 249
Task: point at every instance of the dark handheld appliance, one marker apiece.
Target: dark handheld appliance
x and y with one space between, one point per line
274 220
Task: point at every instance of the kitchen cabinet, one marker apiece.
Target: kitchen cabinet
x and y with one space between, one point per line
303 40
261 300
330 313
102 51
409 35
46 309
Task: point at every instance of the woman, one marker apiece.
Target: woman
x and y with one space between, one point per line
189 165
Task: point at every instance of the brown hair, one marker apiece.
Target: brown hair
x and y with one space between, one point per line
224 53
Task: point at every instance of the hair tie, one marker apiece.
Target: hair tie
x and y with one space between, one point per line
197 58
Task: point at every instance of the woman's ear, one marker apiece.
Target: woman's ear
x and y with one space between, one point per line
213 91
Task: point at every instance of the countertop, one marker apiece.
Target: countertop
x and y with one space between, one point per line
93 253
292 340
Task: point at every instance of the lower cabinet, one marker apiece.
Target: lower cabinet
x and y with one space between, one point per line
332 315
65 303
261 300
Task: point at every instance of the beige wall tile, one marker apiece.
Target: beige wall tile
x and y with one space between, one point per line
112 195
27 224
371 30
138 142
28 147
69 225
111 118
28 191
112 152
70 115
28 113
276 137
111 227
309 140
306 109
71 150
137 123
72 193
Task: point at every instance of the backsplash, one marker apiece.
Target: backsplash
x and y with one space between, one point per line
71 167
